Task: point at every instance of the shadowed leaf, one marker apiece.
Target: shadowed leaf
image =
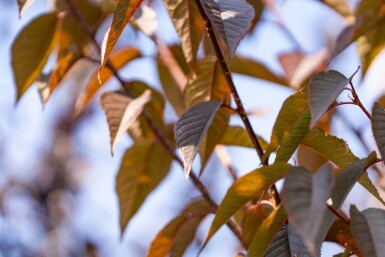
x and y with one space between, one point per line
122 112
30 50
378 127
175 237
191 128
368 229
143 167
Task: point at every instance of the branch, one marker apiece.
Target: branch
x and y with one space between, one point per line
358 102
235 228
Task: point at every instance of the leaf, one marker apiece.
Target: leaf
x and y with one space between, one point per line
341 234
238 136
143 167
23 5
258 7
244 189
378 125
121 112
341 7
188 24
309 159
249 67
344 182
30 50
324 88
118 59
175 237
368 229
122 15
190 129
267 231
148 21
231 19
305 196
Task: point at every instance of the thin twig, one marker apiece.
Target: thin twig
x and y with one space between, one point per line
235 228
338 104
338 214
358 102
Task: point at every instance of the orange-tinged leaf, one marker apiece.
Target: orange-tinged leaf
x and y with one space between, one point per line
121 112
118 60
122 15
31 49
144 165
175 237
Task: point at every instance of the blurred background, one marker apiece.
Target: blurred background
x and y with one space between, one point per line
57 176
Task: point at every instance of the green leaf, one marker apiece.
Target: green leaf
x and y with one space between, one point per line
344 182
143 167
324 88
231 19
368 228
305 196
122 15
238 136
175 237
378 125
31 49
249 67
267 232
191 128
244 189
121 112
188 24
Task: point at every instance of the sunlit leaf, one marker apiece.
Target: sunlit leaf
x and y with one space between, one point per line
31 48
191 128
231 19
238 136
324 88
121 112
267 232
368 229
305 196
143 167
189 25
249 67
244 189
378 127
118 60
122 15
148 21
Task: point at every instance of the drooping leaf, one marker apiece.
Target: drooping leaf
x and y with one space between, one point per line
31 48
238 136
378 125
344 182
368 229
188 24
99 78
249 67
175 237
305 196
244 189
324 88
267 232
231 19
121 112
122 15
143 167
191 128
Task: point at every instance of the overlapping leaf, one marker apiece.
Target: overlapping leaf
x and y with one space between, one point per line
191 128
305 196
31 49
122 112
244 189
368 229
143 167
378 127
122 15
238 136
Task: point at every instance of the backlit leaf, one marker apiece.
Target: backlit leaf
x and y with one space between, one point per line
378 127
243 190
188 24
122 112
191 128
31 48
305 196
238 136
368 229
143 167
122 15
